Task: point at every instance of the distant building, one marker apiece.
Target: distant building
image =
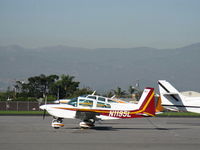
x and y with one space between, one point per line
191 94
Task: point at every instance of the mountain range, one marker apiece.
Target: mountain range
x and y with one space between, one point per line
104 68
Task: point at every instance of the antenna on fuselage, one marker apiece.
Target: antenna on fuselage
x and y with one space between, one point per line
94 92
113 96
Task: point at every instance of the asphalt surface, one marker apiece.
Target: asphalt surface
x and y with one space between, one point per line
33 133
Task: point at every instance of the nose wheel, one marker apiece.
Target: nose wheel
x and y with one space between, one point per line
57 123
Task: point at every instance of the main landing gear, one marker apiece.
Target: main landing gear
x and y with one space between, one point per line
57 123
86 124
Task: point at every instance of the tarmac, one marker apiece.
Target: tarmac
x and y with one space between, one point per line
34 133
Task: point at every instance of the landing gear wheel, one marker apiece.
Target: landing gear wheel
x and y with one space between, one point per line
57 123
56 127
87 124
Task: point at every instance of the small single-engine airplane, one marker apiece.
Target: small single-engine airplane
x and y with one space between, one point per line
173 100
90 110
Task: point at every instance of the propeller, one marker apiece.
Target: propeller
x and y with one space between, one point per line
44 114
45 102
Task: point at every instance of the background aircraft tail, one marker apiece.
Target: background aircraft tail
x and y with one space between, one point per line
147 102
166 88
169 95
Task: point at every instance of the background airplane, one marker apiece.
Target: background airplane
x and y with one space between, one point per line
172 99
89 110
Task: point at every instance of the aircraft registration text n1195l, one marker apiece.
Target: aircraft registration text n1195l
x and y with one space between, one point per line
119 113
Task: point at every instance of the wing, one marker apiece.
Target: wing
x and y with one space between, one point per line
86 115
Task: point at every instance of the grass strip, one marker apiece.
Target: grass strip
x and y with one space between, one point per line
178 114
21 112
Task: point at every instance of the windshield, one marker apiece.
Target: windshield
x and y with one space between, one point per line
73 102
75 98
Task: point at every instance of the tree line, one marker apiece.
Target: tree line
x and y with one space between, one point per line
55 87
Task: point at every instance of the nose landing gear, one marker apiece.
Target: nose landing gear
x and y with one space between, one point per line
57 123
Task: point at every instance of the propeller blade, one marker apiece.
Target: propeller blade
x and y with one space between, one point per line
45 102
44 114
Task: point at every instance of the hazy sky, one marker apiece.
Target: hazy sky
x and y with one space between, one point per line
100 23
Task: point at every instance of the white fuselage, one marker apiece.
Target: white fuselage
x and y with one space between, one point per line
172 99
190 104
68 111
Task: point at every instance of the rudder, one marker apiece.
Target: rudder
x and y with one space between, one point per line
147 102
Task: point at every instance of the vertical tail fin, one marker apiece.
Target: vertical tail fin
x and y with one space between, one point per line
169 95
147 102
167 90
